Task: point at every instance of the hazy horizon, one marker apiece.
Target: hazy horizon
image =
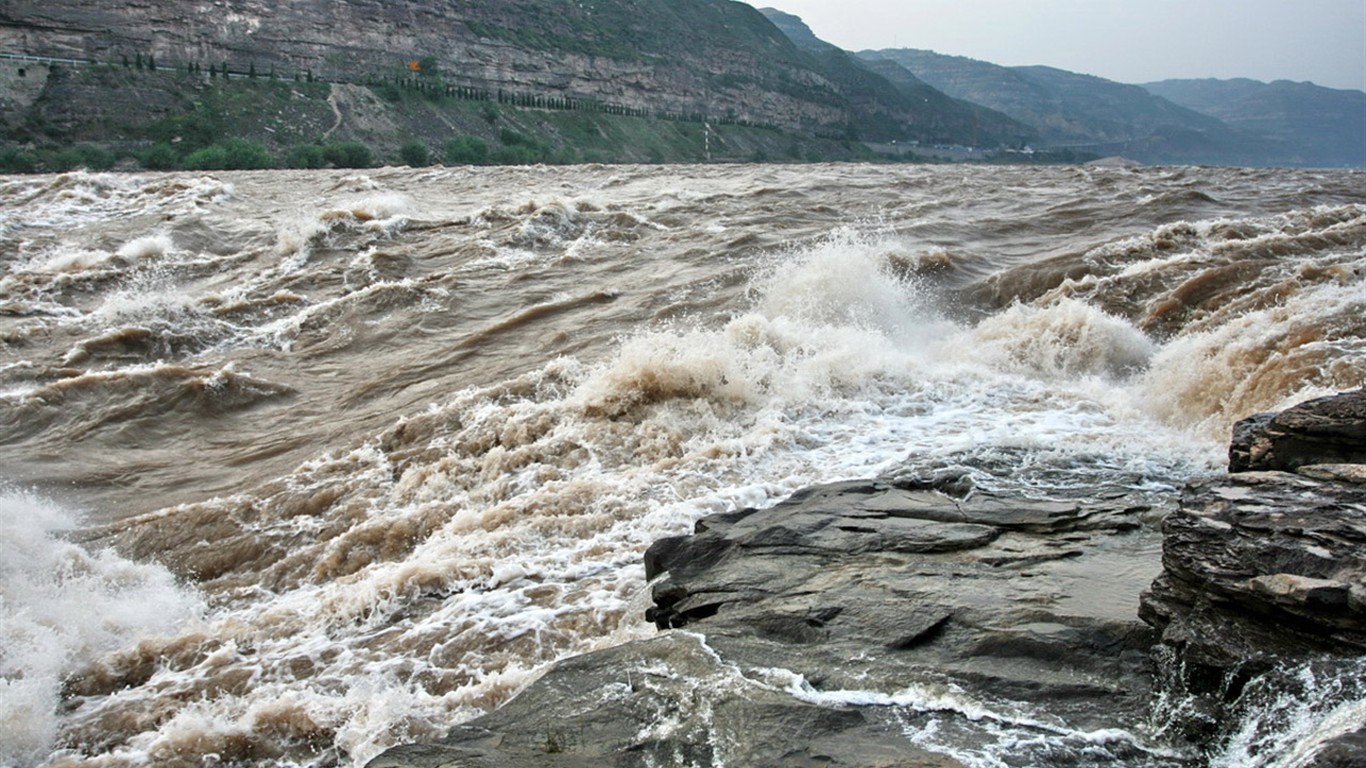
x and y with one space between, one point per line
1133 42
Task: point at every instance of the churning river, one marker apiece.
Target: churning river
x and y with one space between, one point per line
295 466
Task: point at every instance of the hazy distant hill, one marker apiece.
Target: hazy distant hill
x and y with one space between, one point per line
1316 125
895 104
1068 108
1240 122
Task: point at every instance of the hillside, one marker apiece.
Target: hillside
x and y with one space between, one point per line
1317 125
894 104
1082 111
698 62
710 58
577 80
101 116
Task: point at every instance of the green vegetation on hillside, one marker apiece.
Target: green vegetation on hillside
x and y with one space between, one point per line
562 81
693 81
190 119
56 159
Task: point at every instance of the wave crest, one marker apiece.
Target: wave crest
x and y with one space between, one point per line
1067 338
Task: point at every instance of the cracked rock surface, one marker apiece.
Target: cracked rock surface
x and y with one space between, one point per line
829 629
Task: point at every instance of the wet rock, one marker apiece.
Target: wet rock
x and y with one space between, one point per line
1262 565
1329 430
922 579
667 701
845 623
1343 473
1262 598
756 555
1348 751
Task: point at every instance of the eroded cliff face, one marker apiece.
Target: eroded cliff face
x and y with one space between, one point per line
694 57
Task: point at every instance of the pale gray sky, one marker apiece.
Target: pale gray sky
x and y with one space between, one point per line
1132 41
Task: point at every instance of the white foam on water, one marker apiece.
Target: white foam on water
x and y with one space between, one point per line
1065 339
1304 737
1287 728
1256 313
66 260
69 260
372 216
1004 730
81 198
505 259
147 247
148 297
478 541
61 605
844 280
33 272
1307 346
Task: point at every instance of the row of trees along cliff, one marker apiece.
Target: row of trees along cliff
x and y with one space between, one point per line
218 117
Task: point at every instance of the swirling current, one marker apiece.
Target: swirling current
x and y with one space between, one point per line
300 465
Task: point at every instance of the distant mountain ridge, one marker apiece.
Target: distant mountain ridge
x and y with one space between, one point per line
713 60
897 105
1319 126
1070 109
1239 122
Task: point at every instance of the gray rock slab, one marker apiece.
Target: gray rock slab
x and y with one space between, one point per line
671 700
824 630
1329 430
1263 564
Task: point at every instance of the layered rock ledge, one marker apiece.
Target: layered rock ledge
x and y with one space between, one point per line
1328 433
1264 572
1265 564
1262 565
823 630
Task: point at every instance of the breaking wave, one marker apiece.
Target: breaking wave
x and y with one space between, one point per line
375 450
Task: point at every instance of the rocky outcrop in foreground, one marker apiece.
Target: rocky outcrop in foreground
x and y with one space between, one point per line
1264 570
825 629
1327 437
1262 565
927 622
1265 564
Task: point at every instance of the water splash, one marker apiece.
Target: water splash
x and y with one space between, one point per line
61 605
498 406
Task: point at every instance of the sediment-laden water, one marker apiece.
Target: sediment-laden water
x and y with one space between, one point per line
301 465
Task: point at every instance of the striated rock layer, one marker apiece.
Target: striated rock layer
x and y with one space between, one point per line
1263 563
698 57
1264 577
1329 433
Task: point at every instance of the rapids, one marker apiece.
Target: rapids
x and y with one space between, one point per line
300 465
